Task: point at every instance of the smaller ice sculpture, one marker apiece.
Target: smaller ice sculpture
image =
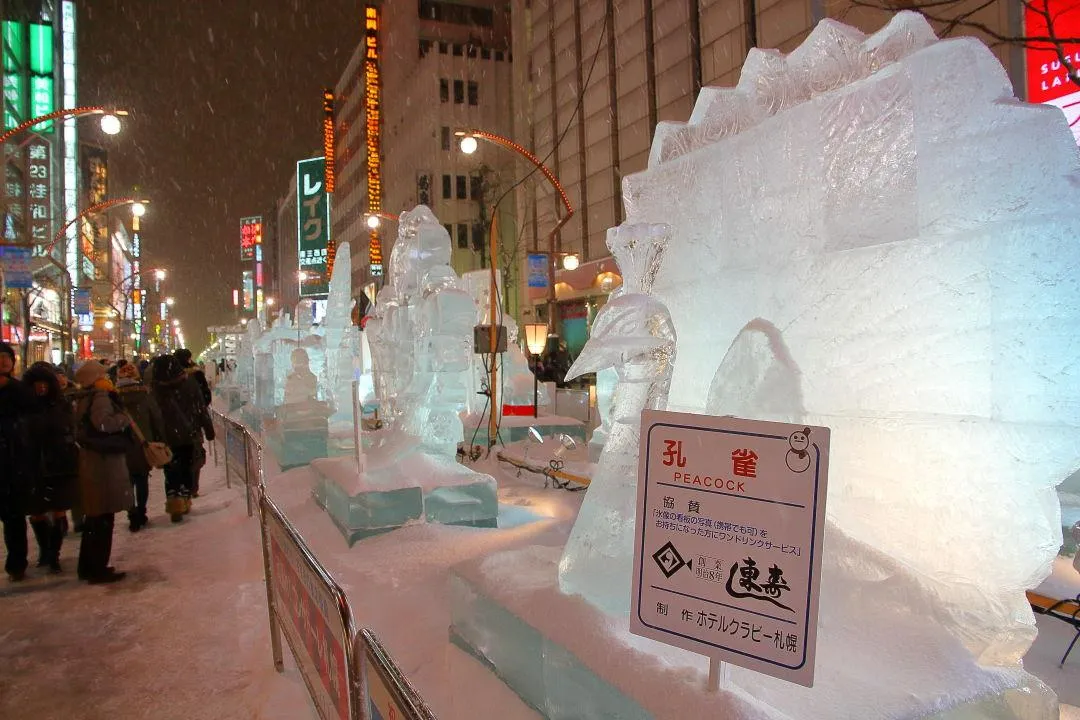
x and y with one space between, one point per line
421 340
301 386
299 433
634 334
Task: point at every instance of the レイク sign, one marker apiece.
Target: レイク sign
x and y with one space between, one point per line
727 556
312 226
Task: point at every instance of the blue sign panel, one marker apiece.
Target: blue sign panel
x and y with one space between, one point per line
538 270
17 274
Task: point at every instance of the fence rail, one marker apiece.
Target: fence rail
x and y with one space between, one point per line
348 673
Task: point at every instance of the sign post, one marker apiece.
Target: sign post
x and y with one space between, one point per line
727 555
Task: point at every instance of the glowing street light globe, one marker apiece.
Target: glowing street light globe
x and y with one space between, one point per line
468 144
138 209
170 301
570 262
270 302
110 124
159 274
176 323
373 221
109 324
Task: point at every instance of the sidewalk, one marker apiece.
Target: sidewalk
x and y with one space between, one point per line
183 636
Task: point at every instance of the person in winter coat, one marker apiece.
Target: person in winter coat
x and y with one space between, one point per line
102 430
183 356
14 401
143 409
52 462
185 420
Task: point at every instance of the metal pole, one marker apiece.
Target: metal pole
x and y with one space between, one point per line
247 478
357 420
536 387
493 392
275 632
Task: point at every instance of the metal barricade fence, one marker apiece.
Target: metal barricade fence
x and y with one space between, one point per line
243 456
349 674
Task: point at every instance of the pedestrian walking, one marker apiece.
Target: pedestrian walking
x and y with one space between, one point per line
198 462
13 403
52 462
143 409
185 418
102 429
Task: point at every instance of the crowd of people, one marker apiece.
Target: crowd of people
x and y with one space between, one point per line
85 443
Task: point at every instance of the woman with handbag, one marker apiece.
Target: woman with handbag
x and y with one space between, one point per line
104 436
144 411
52 462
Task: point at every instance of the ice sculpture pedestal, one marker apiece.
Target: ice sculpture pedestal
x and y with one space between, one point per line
515 428
299 433
567 659
388 495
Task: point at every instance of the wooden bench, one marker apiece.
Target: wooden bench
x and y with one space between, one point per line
1065 610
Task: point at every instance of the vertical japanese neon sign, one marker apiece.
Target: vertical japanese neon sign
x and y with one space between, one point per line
373 103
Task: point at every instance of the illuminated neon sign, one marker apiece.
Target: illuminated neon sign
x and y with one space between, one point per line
328 153
374 128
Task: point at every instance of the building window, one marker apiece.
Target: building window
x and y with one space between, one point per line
459 92
446 187
478 236
443 49
461 187
425 47
449 231
470 51
444 90
474 93
445 139
463 236
457 50
485 54
498 55
449 12
476 187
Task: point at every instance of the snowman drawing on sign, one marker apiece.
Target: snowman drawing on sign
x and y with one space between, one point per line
798 457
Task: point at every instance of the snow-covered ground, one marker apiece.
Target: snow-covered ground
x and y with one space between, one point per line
185 635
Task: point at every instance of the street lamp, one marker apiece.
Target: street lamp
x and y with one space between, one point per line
536 340
159 274
138 209
570 262
109 324
170 301
468 144
110 121
176 323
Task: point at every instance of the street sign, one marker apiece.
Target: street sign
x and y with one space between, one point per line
313 226
538 270
727 555
83 301
17 273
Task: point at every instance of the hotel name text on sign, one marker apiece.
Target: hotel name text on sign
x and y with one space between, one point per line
727 556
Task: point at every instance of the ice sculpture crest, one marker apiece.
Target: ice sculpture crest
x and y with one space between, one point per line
873 234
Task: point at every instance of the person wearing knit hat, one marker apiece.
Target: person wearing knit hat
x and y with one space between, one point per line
102 430
198 459
14 400
89 373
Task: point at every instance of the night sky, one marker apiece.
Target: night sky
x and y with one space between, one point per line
226 96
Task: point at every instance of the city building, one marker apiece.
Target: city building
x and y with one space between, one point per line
423 71
594 77
41 175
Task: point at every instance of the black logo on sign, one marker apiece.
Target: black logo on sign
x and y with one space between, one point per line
669 560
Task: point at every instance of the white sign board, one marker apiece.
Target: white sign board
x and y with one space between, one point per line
727 557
